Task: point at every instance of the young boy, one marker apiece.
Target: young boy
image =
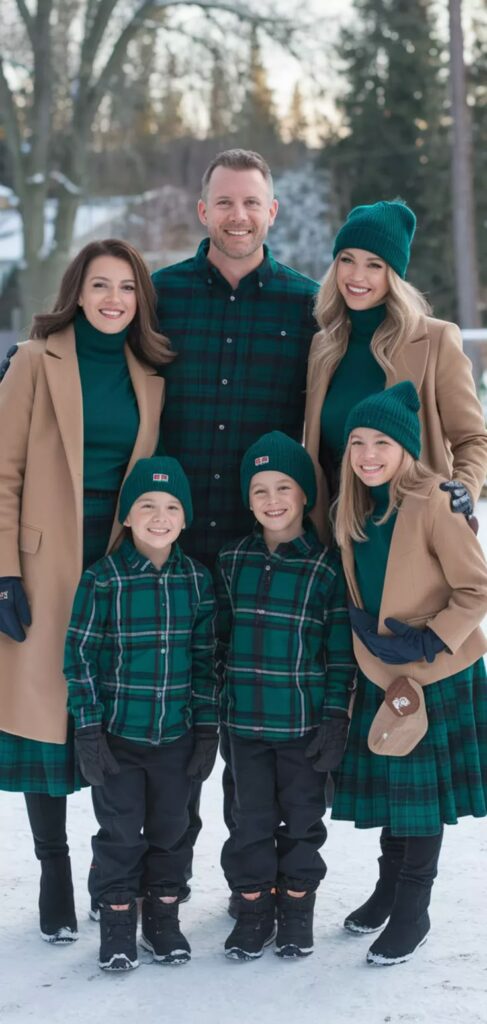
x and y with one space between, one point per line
141 687
286 655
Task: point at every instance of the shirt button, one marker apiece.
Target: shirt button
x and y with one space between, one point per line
232 298
261 284
260 611
267 568
224 381
160 582
216 476
283 334
229 341
221 426
209 280
163 650
212 523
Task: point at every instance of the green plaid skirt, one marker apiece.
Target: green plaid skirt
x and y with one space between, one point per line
441 780
28 766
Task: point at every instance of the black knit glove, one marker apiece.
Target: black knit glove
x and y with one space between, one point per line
94 755
407 644
200 765
460 500
328 744
14 609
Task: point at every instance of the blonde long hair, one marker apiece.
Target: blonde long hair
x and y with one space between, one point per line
354 505
404 303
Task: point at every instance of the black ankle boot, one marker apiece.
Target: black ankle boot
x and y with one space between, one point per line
407 929
118 938
161 933
56 901
294 925
372 914
255 928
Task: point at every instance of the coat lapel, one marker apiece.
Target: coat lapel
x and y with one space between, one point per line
63 379
411 360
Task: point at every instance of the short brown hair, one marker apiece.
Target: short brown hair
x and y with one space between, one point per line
143 335
238 160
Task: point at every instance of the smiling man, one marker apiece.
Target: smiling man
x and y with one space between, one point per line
242 324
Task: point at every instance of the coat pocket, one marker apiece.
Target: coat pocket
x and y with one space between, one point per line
29 539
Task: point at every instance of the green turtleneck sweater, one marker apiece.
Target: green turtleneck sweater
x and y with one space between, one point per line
356 376
110 412
371 555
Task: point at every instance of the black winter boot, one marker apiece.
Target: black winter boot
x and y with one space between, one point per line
407 929
56 901
294 925
374 912
254 929
409 922
161 933
118 938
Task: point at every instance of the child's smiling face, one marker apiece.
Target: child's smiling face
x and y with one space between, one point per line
374 457
156 520
277 502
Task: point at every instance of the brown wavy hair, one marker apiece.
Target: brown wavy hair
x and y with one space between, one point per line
143 336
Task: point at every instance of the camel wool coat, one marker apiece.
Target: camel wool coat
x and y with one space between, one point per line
453 433
41 517
436 576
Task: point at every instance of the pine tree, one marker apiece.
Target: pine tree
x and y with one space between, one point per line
256 123
396 141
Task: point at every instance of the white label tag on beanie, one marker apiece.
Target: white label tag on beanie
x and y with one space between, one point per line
163 477
261 461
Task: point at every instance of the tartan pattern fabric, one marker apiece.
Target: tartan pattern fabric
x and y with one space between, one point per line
28 766
284 640
240 372
139 652
441 780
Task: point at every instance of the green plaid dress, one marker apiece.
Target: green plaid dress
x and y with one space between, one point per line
445 776
28 766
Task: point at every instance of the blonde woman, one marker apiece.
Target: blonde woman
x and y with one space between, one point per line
376 330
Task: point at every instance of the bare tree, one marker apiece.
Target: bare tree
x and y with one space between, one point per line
466 266
42 170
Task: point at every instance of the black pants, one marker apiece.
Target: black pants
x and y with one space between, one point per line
277 826
142 843
47 818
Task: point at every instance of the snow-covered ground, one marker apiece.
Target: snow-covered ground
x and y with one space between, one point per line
445 984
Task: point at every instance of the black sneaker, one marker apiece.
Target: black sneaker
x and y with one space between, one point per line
57 915
161 933
255 927
294 925
118 938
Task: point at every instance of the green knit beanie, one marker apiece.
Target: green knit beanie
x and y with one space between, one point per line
160 473
276 451
385 229
394 412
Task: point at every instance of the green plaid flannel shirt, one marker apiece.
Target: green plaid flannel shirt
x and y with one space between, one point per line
284 644
139 654
240 372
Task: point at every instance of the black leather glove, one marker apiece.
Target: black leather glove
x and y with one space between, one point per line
14 609
328 744
460 500
94 755
200 765
407 644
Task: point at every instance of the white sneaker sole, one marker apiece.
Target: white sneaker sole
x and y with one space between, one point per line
378 960
175 957
118 962
62 937
293 952
362 929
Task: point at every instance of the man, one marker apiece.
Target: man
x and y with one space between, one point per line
242 325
